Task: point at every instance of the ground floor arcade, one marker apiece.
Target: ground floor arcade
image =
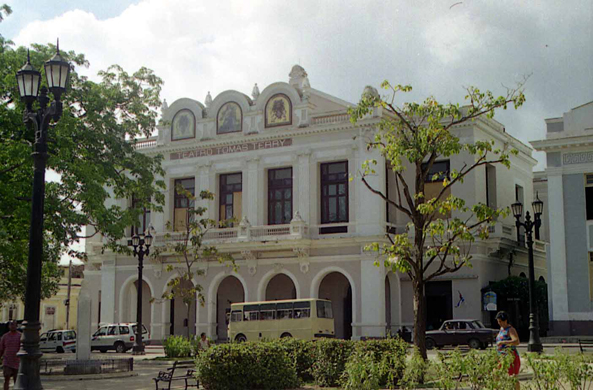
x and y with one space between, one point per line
367 300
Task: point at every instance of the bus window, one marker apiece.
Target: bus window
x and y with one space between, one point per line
324 310
284 311
251 312
267 311
236 316
302 309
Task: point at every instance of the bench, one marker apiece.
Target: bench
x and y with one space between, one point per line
181 371
584 344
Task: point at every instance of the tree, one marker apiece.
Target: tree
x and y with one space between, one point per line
441 229
189 249
92 150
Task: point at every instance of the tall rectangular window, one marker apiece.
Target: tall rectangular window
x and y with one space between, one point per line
334 192
491 186
144 220
591 276
231 199
279 196
182 204
589 196
433 182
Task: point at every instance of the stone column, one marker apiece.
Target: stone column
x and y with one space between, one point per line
559 281
251 196
83 323
203 183
370 209
372 292
303 170
108 288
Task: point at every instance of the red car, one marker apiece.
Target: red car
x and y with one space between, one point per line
461 332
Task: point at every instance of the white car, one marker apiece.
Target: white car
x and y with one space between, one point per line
118 337
58 341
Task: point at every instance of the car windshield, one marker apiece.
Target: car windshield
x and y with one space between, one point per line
478 324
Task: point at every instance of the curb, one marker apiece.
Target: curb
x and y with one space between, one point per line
68 378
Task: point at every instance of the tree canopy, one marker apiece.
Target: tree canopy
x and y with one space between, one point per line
92 150
442 227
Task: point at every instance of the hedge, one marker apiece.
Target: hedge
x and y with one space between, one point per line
252 365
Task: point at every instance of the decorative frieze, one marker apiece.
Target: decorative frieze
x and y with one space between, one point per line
577 158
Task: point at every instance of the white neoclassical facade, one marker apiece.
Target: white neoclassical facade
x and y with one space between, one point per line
280 162
567 185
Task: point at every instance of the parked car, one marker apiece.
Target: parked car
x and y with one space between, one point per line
58 341
117 337
461 332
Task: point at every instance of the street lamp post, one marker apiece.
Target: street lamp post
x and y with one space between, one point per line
535 344
57 71
141 246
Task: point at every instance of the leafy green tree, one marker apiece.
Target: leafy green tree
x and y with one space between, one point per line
189 250
92 150
440 230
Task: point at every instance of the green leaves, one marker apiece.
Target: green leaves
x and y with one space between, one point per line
89 149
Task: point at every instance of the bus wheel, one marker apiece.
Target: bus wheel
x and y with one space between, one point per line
240 338
285 335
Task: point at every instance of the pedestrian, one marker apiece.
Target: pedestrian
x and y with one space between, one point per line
9 346
204 342
507 341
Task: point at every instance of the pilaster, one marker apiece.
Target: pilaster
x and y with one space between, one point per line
108 293
303 181
372 297
250 201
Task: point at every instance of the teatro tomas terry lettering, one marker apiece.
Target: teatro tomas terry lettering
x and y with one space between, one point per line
244 147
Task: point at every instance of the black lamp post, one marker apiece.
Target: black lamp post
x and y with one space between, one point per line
141 246
535 344
57 71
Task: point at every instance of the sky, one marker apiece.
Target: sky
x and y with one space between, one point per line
439 47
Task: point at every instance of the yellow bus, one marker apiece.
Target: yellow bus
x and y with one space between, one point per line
305 319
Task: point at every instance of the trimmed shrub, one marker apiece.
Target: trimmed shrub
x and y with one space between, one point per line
390 358
177 346
330 357
301 355
362 372
246 366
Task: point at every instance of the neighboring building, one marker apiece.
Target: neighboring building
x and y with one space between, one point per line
53 311
280 163
568 180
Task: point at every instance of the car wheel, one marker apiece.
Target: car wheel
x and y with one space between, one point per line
120 347
430 344
60 350
74 351
285 335
103 350
240 338
474 343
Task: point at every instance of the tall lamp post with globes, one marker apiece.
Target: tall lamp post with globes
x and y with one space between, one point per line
141 246
535 344
57 71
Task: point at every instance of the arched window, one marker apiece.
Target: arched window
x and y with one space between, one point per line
278 111
541 279
522 275
183 125
229 118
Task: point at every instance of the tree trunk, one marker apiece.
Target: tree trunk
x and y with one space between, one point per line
420 317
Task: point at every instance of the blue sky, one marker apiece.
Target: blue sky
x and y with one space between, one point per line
25 11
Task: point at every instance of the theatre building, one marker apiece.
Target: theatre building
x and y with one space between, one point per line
285 162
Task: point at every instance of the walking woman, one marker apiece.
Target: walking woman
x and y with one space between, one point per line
507 341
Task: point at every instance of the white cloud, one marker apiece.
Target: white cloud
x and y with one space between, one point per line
201 46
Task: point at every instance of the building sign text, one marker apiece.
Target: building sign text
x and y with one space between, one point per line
245 147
